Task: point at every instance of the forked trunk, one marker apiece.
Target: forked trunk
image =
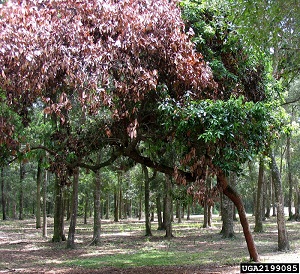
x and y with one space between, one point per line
236 199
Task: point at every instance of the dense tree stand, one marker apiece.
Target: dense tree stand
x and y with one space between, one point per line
236 199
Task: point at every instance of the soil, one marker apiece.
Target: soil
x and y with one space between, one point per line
24 250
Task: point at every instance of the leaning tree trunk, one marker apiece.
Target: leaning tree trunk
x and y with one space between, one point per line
236 199
73 218
283 242
259 198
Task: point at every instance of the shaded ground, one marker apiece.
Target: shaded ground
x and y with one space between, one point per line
124 249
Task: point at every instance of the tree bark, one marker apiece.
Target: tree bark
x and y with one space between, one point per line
147 202
159 209
21 193
259 198
168 208
45 204
116 205
97 210
227 216
283 242
58 234
73 219
206 221
236 199
3 194
289 175
38 194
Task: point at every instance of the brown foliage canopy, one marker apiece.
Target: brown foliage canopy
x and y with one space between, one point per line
107 53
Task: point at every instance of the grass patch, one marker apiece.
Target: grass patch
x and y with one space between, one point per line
143 258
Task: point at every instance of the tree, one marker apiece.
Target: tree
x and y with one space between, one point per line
120 61
259 198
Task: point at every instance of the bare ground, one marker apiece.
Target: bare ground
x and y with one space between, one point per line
24 250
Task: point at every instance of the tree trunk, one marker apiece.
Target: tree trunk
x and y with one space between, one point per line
107 206
45 204
147 201
86 207
168 208
73 219
268 197
297 204
116 205
289 175
283 242
236 199
188 214
259 198
21 193
159 209
97 209
206 206
58 234
3 196
227 218
179 208
38 194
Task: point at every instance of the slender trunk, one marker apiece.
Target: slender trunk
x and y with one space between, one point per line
236 199
259 198
283 242
86 207
107 206
3 196
158 206
268 197
168 208
116 205
207 206
289 175
21 192
140 202
188 214
147 201
73 219
179 211
45 204
97 209
209 217
58 234
38 194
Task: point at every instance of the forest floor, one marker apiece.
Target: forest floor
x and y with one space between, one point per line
125 249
